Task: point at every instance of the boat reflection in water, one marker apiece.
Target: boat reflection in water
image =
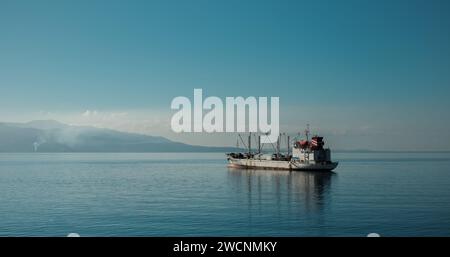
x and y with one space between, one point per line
292 193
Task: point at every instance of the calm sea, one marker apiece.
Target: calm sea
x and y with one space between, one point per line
393 194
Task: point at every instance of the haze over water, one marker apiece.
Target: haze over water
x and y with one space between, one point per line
127 194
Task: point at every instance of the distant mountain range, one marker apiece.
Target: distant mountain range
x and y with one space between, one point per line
53 136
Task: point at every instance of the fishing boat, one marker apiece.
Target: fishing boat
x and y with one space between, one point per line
307 155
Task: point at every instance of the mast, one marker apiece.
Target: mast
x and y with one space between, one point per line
288 149
242 141
259 143
250 143
278 145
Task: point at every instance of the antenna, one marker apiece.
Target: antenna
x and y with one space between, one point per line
307 132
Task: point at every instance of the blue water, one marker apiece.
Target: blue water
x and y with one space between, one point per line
399 194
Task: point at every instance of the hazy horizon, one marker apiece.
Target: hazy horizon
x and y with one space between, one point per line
233 136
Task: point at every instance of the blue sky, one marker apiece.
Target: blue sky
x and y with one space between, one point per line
368 68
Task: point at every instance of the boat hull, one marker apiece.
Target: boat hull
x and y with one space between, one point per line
282 165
